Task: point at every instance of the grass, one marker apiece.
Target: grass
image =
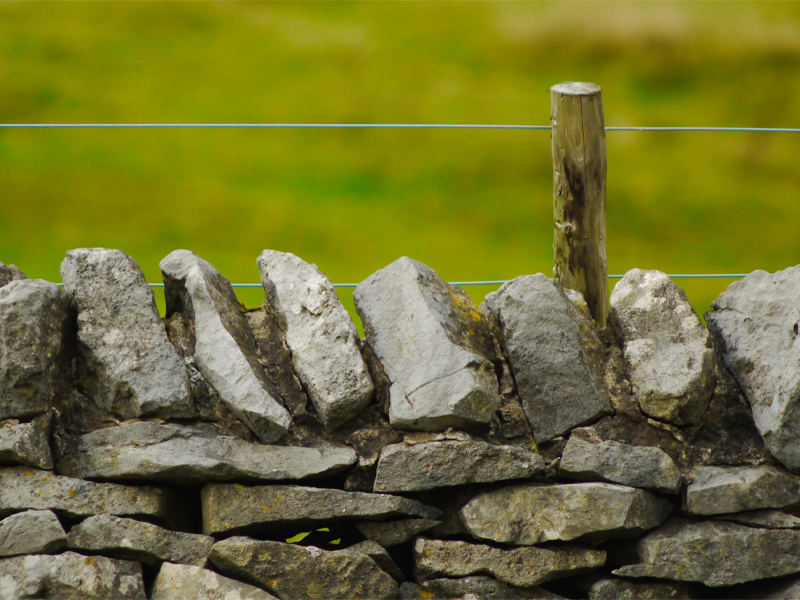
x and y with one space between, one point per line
472 204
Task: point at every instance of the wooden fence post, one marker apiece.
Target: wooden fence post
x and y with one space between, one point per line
579 193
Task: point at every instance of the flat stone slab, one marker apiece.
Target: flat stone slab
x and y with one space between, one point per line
723 489
31 532
230 508
181 582
292 572
225 348
404 468
755 324
133 368
521 567
715 553
70 576
32 489
766 519
620 589
668 349
27 443
392 533
34 324
530 514
435 347
183 454
555 353
137 540
590 459
321 335
475 586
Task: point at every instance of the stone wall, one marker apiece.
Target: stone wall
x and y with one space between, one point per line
511 450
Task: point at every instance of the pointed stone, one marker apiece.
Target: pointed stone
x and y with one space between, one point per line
31 532
184 454
391 533
27 443
530 514
35 319
521 567
475 586
181 582
9 273
404 468
435 347
225 348
321 335
292 572
717 490
555 353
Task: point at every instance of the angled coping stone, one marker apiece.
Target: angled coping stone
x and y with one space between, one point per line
427 466
184 454
320 334
231 508
31 532
725 489
27 443
434 344
225 348
134 369
182 582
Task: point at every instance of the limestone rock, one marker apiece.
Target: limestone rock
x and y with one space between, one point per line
181 582
290 571
381 557
589 459
435 347
392 533
225 349
137 540
32 489
620 589
717 490
185 454
70 576
27 443
9 273
131 368
715 553
766 519
31 532
473 587
231 508
530 514
35 319
404 468
555 353
321 335
668 350
755 324
521 567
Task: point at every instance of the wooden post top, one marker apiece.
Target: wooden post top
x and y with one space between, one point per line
575 88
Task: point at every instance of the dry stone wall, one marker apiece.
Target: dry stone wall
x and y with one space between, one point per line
511 450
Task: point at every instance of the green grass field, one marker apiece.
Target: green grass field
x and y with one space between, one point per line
472 204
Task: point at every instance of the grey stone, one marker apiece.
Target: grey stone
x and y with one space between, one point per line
716 490
321 335
131 367
668 350
755 324
136 540
27 443
555 353
290 571
588 458
24 488
185 454
521 567
530 513
381 557
225 348
620 589
35 318
183 582
31 532
766 519
392 533
70 576
435 347
9 273
476 587
715 553
229 508
404 468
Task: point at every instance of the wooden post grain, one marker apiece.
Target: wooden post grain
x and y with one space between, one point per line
579 193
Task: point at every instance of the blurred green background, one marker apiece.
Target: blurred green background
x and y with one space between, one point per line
472 204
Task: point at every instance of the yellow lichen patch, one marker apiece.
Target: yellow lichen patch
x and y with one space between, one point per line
89 560
272 582
266 509
29 473
427 594
44 478
228 525
72 493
